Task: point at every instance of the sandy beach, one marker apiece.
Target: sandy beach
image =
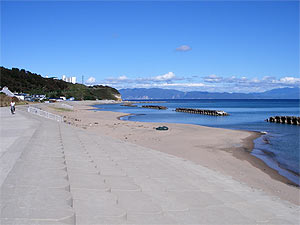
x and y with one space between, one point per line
222 150
98 171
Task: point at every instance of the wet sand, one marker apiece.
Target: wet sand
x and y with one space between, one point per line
223 150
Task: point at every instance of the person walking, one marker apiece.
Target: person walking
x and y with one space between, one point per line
12 107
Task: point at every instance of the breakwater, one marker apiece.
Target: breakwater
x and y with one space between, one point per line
129 105
148 102
202 111
294 120
154 107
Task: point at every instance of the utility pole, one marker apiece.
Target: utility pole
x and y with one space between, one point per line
82 79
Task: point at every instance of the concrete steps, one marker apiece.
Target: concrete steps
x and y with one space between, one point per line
15 132
150 187
67 175
37 189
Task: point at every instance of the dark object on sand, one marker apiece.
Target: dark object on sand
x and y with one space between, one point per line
162 128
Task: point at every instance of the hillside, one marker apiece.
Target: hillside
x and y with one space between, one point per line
158 93
26 82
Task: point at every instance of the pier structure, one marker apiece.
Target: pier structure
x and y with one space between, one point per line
294 120
202 111
155 107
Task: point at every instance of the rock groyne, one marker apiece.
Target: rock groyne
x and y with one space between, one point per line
294 120
155 107
129 105
202 111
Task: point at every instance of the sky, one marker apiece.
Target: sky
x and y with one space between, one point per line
233 46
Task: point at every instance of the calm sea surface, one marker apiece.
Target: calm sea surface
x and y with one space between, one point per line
279 148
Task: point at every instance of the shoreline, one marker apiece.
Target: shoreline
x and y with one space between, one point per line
259 163
230 156
245 151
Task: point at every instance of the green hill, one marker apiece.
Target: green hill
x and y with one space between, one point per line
26 82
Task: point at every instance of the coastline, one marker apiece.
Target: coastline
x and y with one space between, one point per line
244 153
223 150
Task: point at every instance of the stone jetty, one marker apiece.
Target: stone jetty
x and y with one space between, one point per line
154 107
202 111
129 105
294 120
148 102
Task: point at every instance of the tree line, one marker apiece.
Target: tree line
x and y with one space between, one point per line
22 81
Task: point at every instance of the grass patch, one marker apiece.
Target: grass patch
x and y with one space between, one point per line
5 100
61 109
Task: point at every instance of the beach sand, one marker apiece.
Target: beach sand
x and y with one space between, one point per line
223 150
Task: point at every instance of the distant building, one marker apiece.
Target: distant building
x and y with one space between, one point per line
29 98
71 99
6 91
20 96
39 97
69 79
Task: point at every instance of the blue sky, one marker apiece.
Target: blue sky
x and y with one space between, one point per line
213 46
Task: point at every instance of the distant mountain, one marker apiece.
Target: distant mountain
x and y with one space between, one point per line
282 93
151 93
159 93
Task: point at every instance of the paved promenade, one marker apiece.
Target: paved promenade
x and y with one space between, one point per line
60 174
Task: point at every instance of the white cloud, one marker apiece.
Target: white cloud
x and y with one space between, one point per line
213 79
119 79
183 48
209 83
289 80
122 78
254 80
165 77
182 85
91 80
244 84
168 77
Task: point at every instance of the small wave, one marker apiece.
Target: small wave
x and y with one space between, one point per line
266 140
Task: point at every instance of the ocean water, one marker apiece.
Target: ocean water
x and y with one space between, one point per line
279 148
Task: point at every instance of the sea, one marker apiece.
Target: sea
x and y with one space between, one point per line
279 147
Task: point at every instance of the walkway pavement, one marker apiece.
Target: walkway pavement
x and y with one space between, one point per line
15 132
66 175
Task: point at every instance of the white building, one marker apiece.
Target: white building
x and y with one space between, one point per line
20 96
69 79
72 80
6 91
